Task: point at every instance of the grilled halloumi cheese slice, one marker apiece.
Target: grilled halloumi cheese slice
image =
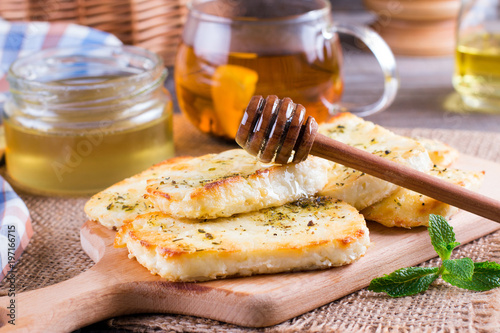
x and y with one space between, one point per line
233 182
126 199
311 233
358 188
207 187
407 209
439 152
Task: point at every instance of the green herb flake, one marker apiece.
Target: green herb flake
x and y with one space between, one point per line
128 208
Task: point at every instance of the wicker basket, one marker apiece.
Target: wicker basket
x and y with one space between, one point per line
153 24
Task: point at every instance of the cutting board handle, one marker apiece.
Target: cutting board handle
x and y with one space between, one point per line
87 298
103 291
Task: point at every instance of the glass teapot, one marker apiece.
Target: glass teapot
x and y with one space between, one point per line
234 49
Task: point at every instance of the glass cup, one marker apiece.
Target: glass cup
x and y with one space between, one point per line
477 70
234 49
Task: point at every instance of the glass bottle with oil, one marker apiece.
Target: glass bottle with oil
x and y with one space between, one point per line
477 70
80 120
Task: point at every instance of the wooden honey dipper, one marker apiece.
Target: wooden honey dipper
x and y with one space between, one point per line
273 129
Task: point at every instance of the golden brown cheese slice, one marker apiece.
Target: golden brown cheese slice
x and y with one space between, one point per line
233 182
127 198
358 188
206 187
408 209
309 234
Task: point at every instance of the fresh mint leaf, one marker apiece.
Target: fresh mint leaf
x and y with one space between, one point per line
462 269
405 281
462 273
486 276
442 236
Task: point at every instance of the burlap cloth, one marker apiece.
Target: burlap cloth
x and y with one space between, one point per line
54 255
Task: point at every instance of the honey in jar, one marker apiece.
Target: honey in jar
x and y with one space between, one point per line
80 120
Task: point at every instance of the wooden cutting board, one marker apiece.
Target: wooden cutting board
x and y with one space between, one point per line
117 285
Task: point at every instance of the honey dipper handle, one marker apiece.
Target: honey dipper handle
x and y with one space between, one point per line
406 177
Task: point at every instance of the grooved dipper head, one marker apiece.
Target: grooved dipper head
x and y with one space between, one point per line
274 130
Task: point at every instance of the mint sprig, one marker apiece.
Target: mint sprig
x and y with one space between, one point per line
462 273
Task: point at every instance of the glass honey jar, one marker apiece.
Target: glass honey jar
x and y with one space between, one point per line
80 119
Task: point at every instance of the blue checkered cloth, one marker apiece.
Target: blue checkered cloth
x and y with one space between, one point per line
18 39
